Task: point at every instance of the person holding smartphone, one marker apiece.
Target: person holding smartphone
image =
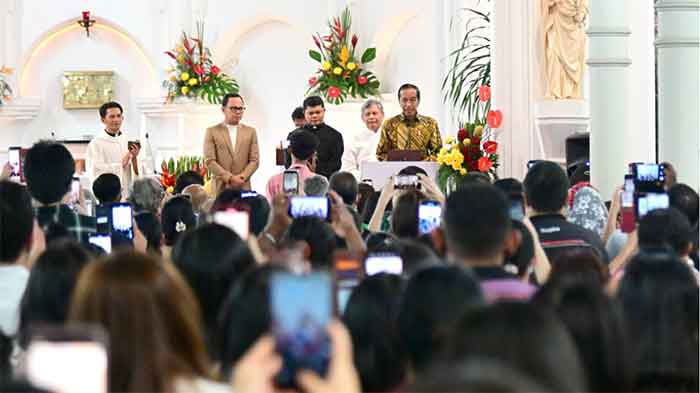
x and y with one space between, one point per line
111 151
302 147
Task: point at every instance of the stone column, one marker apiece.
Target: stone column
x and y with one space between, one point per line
609 70
678 78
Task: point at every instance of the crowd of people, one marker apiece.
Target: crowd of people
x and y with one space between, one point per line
555 298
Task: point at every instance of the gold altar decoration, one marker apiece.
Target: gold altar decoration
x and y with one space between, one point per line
87 89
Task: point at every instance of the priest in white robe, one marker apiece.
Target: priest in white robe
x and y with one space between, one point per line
363 146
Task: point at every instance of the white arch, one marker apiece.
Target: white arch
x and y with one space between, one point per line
385 38
27 59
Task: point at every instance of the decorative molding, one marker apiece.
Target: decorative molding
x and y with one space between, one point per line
603 31
157 107
25 108
610 62
689 5
677 43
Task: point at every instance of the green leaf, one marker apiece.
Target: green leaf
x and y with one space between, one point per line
315 55
369 55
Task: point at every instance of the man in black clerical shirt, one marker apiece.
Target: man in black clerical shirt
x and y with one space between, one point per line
330 149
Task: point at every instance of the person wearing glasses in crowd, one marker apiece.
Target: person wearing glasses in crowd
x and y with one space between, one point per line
231 148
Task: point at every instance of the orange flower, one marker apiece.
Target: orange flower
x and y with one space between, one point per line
490 147
485 164
333 92
494 118
484 93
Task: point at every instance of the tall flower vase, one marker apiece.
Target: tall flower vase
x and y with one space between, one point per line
451 183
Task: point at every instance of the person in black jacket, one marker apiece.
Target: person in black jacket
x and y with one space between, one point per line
330 148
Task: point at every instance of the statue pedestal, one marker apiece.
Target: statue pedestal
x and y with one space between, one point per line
555 120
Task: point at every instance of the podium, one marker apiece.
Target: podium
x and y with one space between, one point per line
380 171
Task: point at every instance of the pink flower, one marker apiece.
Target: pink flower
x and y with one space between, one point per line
494 118
215 70
490 147
362 80
484 93
353 41
198 69
485 164
333 92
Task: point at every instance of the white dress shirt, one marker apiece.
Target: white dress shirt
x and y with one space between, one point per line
13 280
232 132
363 148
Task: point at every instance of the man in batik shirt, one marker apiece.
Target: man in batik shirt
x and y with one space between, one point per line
409 130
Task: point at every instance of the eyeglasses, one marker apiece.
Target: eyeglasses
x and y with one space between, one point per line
237 108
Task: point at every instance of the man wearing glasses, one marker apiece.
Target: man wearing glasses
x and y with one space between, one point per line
231 147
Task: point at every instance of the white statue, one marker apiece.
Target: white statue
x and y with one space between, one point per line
564 46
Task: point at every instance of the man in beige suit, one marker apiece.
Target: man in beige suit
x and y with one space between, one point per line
231 148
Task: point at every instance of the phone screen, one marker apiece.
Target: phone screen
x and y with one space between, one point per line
650 202
405 181
649 177
122 220
383 263
101 240
102 215
429 216
290 182
301 309
249 194
14 159
517 209
67 364
301 206
348 274
237 221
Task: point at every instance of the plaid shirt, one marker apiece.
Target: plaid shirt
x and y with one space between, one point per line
78 225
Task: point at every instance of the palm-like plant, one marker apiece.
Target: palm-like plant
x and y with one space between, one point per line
470 68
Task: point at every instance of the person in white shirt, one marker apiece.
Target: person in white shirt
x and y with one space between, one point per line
363 146
111 152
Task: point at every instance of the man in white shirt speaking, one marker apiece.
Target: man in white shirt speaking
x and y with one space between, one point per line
111 152
363 145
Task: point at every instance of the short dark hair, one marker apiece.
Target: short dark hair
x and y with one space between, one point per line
298 113
434 300
318 235
149 225
546 187
510 186
177 210
187 178
224 100
107 188
476 221
49 169
522 257
407 86
685 199
303 143
211 258
416 256
474 177
312 101
108 105
664 228
412 170
16 220
345 184
370 316
382 242
49 288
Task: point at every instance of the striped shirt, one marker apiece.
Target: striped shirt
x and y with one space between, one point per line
79 226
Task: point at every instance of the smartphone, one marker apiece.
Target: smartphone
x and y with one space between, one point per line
101 240
406 181
651 201
237 221
349 272
102 218
122 220
629 219
317 206
517 209
16 163
130 144
75 190
649 177
68 359
383 263
429 216
290 182
249 194
301 309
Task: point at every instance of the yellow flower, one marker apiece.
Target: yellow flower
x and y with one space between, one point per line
351 66
467 142
184 90
173 77
6 70
449 139
180 59
443 151
337 70
344 55
185 76
193 81
478 130
462 171
179 49
170 190
326 65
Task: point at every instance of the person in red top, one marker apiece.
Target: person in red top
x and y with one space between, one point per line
303 145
